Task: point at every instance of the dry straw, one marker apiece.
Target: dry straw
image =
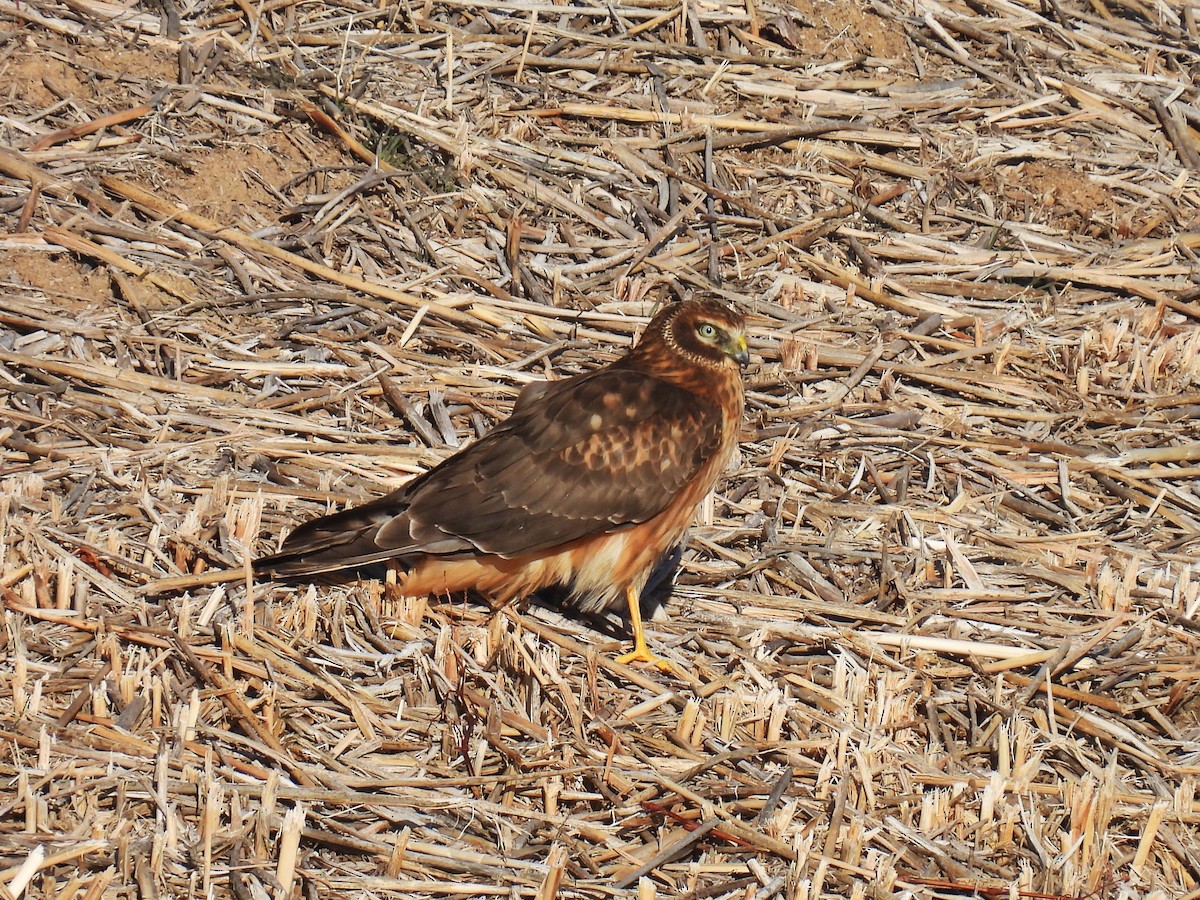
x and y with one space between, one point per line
936 636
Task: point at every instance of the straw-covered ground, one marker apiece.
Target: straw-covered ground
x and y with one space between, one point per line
937 631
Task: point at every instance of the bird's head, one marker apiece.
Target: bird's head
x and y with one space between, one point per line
705 332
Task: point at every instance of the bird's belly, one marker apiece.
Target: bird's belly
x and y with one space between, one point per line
494 577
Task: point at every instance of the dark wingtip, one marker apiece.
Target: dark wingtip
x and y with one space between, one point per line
280 566
344 540
316 549
292 568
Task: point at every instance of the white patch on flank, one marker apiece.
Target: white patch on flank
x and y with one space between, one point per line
593 583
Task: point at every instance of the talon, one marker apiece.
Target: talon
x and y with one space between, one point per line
644 654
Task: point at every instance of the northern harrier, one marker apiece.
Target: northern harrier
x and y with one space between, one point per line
585 486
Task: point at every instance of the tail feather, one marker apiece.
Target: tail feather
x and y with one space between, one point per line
343 540
304 564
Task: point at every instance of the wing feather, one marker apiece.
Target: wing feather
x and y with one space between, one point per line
580 456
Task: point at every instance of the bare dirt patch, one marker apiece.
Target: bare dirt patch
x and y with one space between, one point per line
234 183
1063 198
65 277
828 32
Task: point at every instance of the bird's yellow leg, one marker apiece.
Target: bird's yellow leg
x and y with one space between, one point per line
641 653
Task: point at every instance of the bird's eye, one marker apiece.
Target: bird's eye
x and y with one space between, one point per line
707 330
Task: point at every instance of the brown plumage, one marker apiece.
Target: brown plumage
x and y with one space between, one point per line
585 486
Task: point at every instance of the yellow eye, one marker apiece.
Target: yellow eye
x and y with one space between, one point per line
707 330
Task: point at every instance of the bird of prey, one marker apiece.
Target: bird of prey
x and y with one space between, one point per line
584 488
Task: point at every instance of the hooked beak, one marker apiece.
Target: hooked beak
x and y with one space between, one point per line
739 351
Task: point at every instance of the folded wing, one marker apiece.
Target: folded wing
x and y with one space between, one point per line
578 457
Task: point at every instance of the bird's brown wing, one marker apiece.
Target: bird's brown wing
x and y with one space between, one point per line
586 455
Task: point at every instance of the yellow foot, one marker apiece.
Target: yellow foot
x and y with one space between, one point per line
643 654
